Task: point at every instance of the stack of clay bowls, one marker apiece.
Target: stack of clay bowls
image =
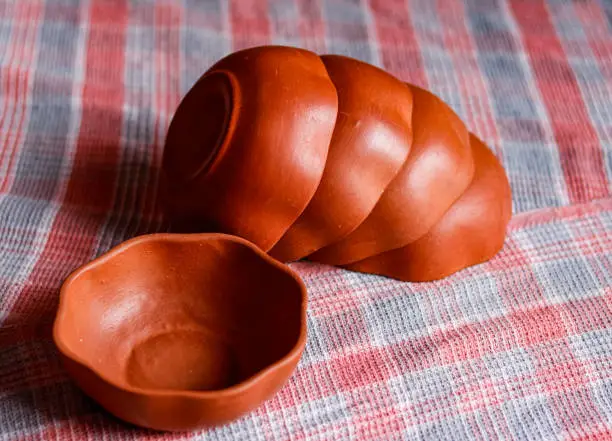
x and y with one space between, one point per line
293 156
333 160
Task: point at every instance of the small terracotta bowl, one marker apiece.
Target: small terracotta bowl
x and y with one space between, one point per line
247 146
179 332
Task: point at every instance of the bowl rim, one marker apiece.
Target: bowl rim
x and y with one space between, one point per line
235 389
233 101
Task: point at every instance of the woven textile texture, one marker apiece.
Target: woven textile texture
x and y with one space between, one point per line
517 348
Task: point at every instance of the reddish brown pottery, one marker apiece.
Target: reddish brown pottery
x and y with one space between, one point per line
178 332
247 146
327 158
371 141
437 171
471 232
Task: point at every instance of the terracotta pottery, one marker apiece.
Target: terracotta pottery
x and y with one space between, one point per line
471 232
247 146
435 174
178 332
331 159
371 141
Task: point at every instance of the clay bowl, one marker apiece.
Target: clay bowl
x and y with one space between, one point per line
471 232
247 145
178 332
435 174
370 143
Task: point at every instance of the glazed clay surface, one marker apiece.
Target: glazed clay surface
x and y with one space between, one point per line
371 141
247 146
471 232
177 332
437 171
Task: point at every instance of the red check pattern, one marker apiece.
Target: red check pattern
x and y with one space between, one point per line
517 348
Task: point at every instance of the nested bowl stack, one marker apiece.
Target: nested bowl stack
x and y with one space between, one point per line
333 160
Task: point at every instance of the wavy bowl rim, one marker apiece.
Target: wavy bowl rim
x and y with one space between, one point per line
236 389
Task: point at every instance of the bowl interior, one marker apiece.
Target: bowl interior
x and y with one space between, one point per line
181 315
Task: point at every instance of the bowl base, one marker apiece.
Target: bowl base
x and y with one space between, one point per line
182 360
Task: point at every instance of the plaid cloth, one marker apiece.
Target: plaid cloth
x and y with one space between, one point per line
517 348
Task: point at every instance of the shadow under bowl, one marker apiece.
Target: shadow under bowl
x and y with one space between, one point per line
179 332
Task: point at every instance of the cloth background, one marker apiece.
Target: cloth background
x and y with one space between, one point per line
517 348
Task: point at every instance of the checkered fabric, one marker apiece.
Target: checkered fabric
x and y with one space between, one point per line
517 348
